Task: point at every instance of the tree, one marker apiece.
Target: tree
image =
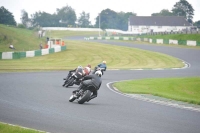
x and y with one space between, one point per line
197 23
67 15
123 20
107 19
6 17
63 17
183 8
110 19
45 19
164 12
83 20
25 19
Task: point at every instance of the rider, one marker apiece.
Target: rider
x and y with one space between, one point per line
86 71
101 65
94 80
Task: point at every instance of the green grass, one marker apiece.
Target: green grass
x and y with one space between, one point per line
82 53
26 40
181 89
67 33
194 37
22 39
5 128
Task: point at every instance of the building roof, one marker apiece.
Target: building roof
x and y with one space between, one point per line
159 21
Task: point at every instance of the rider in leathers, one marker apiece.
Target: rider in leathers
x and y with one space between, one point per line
101 65
93 79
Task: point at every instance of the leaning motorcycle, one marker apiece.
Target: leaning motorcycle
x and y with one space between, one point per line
74 78
82 95
97 69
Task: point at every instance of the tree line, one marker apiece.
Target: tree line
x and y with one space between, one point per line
66 17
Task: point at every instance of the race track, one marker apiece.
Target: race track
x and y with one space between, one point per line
38 100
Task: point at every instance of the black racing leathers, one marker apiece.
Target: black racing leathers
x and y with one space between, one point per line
93 80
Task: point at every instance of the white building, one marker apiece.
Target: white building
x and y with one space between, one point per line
144 24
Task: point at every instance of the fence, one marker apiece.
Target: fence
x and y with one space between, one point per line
173 32
158 41
18 55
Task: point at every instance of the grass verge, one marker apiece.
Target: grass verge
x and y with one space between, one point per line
6 128
82 53
181 89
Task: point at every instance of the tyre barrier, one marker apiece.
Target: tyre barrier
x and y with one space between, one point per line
157 41
18 55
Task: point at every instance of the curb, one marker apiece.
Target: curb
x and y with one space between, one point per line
187 65
155 99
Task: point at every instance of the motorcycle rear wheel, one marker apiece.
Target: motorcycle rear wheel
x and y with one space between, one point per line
83 98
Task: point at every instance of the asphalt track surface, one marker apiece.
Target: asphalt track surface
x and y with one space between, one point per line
38 100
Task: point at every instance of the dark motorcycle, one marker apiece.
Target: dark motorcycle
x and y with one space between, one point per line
82 95
74 78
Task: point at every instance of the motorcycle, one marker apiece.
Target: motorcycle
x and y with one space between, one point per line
82 95
98 68
74 78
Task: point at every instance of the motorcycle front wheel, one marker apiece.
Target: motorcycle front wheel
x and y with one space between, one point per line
65 83
70 82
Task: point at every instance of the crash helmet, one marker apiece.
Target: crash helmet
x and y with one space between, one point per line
98 73
87 70
79 67
104 62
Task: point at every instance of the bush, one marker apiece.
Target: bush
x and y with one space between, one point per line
21 26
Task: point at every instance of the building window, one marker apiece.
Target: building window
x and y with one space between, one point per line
159 27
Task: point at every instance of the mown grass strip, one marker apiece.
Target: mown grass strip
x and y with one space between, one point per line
181 89
82 53
7 128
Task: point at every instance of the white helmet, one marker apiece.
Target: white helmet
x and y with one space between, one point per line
87 70
98 73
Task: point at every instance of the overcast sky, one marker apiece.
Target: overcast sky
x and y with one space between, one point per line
93 7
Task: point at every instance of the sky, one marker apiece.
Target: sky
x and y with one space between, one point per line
94 7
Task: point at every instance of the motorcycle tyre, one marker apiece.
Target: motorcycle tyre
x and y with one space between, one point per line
69 82
86 95
65 83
